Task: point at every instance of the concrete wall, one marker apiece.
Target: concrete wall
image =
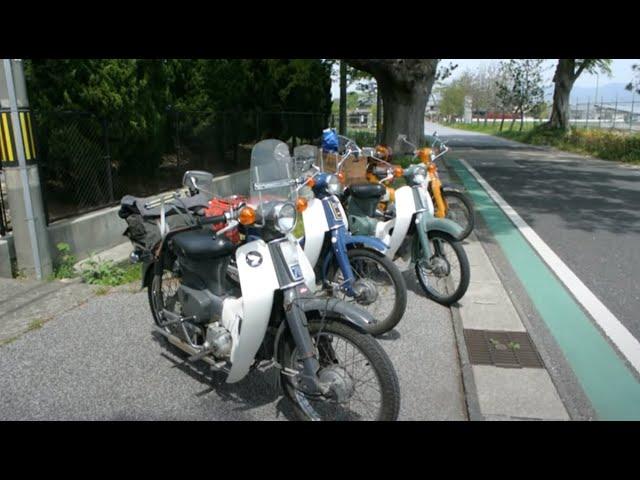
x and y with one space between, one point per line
102 229
7 254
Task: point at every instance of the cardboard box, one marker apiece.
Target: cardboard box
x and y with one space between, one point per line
354 169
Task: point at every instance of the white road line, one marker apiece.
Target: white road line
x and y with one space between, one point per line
613 328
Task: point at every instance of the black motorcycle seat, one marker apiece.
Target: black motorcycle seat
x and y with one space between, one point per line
201 245
367 190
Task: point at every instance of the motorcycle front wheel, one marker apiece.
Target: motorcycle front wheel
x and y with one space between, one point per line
385 290
367 380
445 276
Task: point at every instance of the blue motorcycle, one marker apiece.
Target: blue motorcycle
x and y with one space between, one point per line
353 267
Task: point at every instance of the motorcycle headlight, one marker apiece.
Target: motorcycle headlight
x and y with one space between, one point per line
334 187
285 217
419 175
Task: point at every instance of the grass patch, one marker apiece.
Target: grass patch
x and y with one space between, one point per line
603 144
64 262
102 290
36 324
9 340
109 274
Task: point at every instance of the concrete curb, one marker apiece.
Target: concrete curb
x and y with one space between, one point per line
468 382
470 390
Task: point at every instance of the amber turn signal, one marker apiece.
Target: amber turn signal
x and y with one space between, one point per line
341 177
247 216
311 182
301 204
424 154
397 172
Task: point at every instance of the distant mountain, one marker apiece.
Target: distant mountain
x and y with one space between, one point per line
606 92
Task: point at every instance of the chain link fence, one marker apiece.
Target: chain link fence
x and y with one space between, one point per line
620 116
87 163
612 115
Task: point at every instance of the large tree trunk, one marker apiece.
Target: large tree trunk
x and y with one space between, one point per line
563 79
404 112
405 85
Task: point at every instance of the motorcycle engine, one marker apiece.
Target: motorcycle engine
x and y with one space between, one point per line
219 340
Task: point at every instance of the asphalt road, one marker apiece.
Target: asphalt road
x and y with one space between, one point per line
586 210
100 361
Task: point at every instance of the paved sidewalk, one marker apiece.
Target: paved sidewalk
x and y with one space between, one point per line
503 392
26 305
496 392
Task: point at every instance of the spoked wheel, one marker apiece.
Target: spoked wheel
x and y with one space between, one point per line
163 294
365 383
460 210
380 286
445 276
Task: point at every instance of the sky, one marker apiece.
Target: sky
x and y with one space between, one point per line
620 72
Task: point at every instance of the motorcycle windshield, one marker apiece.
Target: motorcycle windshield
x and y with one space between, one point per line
270 174
304 156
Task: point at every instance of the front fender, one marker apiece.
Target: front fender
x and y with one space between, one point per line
347 313
369 242
443 225
147 273
352 314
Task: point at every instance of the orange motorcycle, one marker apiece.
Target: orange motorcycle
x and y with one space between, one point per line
450 201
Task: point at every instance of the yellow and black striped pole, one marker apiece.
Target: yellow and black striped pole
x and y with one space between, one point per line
18 157
8 153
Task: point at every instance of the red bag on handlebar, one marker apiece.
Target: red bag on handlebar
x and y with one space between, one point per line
218 206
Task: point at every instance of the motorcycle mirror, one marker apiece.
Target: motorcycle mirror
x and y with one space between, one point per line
368 151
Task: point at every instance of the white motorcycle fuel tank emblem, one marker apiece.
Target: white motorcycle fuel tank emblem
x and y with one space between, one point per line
254 259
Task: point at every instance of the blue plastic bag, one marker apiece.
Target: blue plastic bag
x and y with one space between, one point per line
329 140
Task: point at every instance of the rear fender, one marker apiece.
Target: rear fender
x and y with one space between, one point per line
374 243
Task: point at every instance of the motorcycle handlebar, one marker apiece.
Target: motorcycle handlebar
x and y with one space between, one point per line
211 220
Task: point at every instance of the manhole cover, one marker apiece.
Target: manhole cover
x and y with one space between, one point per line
501 349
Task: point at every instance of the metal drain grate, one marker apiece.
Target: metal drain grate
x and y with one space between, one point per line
501 349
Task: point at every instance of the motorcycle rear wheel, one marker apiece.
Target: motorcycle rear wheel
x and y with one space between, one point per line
460 210
376 390
162 293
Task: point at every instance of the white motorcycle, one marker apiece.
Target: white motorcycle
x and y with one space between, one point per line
408 226
330 368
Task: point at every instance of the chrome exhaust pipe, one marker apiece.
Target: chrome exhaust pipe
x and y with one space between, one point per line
185 347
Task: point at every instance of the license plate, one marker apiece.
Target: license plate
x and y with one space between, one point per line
337 213
296 272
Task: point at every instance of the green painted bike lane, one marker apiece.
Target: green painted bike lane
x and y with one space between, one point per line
611 387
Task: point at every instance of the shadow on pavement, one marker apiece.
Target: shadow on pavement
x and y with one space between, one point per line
257 389
584 197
